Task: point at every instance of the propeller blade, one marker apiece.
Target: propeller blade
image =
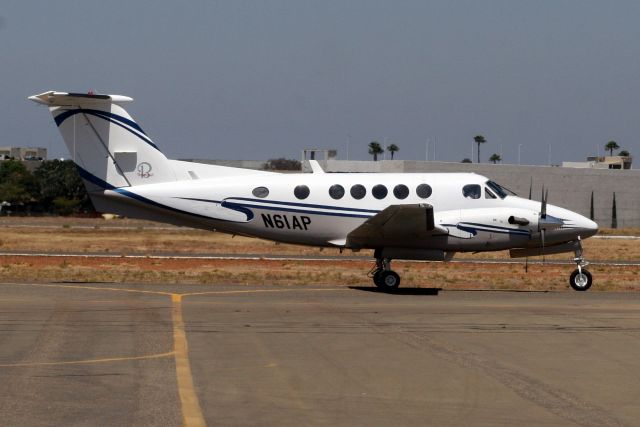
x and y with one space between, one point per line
543 206
530 187
542 233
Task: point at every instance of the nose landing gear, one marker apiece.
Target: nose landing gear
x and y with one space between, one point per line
580 279
383 276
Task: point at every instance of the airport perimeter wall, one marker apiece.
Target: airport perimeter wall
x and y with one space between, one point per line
570 188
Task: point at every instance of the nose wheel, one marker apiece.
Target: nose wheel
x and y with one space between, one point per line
580 279
383 276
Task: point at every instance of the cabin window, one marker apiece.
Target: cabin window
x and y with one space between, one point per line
301 192
379 191
401 191
358 191
423 191
336 191
471 191
488 194
260 192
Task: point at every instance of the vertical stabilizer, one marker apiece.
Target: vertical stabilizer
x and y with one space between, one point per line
108 146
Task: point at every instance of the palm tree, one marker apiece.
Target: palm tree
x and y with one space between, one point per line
495 158
375 149
392 149
479 139
611 145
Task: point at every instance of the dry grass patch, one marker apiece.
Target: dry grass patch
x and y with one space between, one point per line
140 237
317 273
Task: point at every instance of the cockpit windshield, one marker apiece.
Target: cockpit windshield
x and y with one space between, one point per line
500 190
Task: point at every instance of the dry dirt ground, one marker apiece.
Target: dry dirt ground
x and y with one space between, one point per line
129 237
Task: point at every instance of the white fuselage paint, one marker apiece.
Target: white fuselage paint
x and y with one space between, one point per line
228 205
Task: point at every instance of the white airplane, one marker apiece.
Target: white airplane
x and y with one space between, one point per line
411 216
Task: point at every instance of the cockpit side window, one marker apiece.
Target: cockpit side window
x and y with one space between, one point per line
488 194
471 191
500 190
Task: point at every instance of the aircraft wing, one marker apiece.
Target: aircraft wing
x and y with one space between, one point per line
397 225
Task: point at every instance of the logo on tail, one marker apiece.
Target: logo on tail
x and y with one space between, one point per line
144 170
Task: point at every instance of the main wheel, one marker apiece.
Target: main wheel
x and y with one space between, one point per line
580 281
388 280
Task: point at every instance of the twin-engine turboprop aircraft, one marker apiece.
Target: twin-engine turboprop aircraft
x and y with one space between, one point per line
411 216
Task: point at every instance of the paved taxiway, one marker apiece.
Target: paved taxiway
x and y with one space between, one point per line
106 354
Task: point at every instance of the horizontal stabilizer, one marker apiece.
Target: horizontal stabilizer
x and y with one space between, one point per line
53 98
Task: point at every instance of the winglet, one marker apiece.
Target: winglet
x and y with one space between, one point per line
315 166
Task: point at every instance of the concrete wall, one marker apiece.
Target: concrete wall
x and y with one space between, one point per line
244 164
568 187
20 153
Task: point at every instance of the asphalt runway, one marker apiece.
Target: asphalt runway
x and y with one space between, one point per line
126 354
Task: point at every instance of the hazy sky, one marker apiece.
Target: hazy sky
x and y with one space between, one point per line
264 79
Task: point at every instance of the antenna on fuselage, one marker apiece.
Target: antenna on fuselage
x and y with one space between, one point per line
315 166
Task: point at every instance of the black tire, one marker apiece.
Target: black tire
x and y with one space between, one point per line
376 278
389 280
580 281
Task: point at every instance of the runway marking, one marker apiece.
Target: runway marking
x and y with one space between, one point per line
191 411
250 291
95 288
89 361
190 406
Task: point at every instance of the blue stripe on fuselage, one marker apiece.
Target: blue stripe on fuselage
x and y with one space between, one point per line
106 186
231 203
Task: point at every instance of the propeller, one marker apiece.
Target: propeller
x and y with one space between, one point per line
542 221
546 222
543 207
526 260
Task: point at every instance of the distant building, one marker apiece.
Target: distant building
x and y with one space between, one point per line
318 154
603 162
23 153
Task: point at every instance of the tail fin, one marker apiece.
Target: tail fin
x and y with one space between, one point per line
108 146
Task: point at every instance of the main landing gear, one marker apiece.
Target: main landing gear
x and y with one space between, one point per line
383 276
580 279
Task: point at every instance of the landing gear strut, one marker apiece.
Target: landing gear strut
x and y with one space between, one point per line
383 276
580 279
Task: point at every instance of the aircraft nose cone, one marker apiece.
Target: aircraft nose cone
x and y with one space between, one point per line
586 227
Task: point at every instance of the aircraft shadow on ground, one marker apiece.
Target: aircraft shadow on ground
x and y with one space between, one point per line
80 282
436 291
400 291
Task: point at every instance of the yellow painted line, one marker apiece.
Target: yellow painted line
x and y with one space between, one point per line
95 288
191 411
88 361
251 291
